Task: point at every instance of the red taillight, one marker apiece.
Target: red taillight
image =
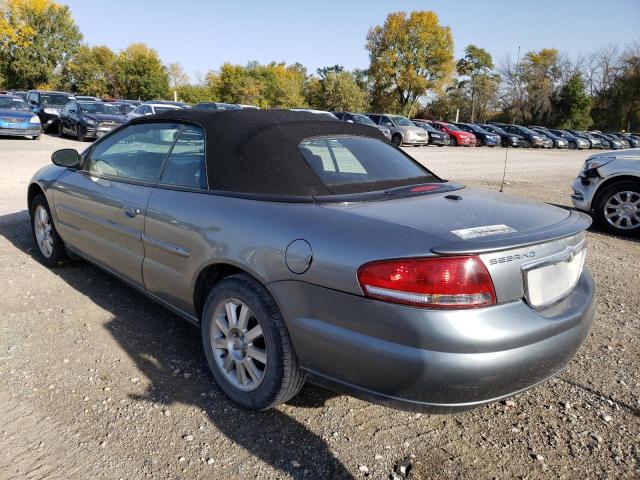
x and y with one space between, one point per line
439 282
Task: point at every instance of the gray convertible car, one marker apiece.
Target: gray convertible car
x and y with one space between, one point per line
310 249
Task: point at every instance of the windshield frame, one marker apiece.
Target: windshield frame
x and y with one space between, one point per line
396 119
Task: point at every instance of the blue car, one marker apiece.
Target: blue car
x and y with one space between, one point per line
16 119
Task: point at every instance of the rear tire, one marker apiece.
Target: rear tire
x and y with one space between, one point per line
453 142
60 130
479 142
616 201
396 139
50 248
236 367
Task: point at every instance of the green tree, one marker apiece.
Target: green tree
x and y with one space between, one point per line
195 94
409 56
479 81
36 38
337 91
541 72
573 105
618 106
91 71
140 73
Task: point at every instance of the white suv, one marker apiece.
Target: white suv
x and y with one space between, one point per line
608 187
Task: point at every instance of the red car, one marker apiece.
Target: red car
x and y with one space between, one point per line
457 136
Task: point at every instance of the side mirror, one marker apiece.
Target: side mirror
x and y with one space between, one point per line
67 157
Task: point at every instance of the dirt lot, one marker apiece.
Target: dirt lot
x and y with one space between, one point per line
96 381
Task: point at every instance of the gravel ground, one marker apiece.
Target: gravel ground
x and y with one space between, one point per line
99 382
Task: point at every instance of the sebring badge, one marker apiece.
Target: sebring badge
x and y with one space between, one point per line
512 258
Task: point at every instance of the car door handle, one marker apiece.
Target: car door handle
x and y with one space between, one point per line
131 211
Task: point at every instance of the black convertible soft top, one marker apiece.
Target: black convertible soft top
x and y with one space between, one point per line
256 151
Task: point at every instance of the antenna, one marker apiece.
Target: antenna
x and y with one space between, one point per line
506 153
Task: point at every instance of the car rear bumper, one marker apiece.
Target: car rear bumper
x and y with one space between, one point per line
431 360
20 132
439 141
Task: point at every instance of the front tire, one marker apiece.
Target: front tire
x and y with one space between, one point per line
50 248
573 145
617 208
453 142
396 139
247 345
79 135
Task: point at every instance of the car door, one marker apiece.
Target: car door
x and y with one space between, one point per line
73 117
175 238
101 207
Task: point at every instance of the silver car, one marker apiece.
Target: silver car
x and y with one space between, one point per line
403 131
608 187
311 249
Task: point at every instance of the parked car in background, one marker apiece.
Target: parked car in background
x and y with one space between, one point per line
89 120
436 137
608 187
593 141
216 106
634 142
506 139
574 142
611 143
483 137
244 106
87 98
47 105
403 131
19 93
171 102
457 136
556 141
124 107
17 119
313 250
151 109
350 117
631 142
531 139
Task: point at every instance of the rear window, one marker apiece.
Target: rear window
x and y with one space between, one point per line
349 164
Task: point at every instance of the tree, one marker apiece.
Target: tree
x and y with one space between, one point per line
409 55
140 73
91 71
336 90
36 38
481 82
195 94
177 76
541 72
618 107
324 71
573 105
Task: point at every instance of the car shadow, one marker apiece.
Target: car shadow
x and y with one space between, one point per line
168 351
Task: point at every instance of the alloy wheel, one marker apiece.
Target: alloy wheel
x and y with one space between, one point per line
42 229
622 210
239 345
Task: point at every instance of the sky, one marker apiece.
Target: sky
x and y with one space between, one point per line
201 35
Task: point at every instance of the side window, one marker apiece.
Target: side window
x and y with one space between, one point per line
386 121
136 152
375 118
185 166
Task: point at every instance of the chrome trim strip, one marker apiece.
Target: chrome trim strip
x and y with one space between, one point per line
567 255
130 232
167 247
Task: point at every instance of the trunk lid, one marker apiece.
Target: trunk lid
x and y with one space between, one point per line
473 220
